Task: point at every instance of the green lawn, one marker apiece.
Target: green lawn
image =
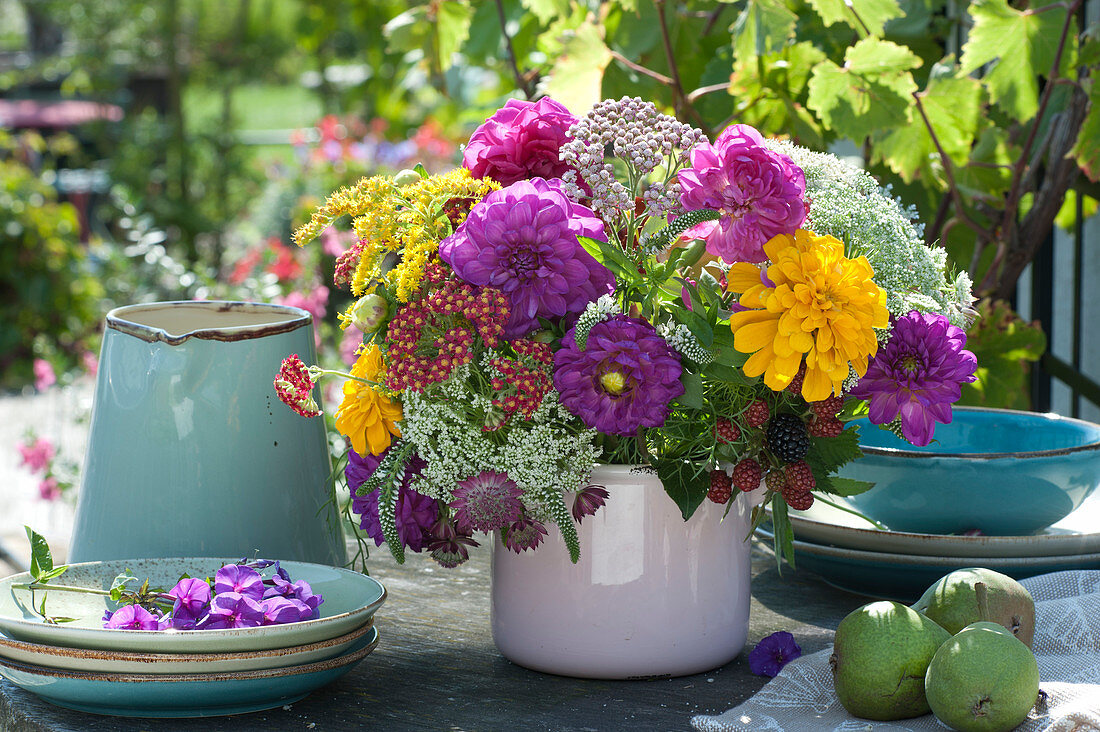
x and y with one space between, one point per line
256 106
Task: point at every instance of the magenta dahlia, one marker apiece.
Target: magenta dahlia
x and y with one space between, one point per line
918 375
760 194
522 240
416 513
520 141
487 501
623 380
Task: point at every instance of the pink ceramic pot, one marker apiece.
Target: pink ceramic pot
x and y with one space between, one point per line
652 595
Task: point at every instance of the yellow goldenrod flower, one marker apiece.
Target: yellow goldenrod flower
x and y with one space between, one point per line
366 416
819 305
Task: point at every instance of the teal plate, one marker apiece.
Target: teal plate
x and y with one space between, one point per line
183 695
350 601
904 577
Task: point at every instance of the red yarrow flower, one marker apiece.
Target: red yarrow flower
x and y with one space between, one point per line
294 385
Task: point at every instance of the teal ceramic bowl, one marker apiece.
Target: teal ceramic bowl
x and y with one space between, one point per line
999 471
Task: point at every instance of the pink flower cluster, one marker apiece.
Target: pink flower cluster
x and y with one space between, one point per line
522 386
294 386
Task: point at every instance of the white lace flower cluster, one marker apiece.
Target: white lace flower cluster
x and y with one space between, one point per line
679 337
643 138
848 203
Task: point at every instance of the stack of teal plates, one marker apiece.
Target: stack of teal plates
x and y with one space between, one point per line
171 673
851 554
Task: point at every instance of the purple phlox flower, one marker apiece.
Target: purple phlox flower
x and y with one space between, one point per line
522 240
449 542
416 512
520 141
240 579
918 375
192 598
527 533
588 500
773 653
760 194
233 610
279 610
624 380
486 502
133 617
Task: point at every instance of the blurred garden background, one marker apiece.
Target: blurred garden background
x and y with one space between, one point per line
166 149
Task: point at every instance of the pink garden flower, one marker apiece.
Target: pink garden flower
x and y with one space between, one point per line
760 194
520 141
49 489
37 455
44 376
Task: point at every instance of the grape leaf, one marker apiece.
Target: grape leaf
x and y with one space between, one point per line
1020 45
762 27
547 10
872 13
576 79
452 29
872 91
1087 147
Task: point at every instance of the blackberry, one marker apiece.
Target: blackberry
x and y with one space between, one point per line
776 481
757 414
787 438
799 477
799 501
747 475
795 387
825 426
720 486
726 431
829 406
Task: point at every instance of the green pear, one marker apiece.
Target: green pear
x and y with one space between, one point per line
880 654
982 680
956 601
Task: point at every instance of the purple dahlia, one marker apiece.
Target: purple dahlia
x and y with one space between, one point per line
522 240
415 512
623 380
520 141
760 194
918 375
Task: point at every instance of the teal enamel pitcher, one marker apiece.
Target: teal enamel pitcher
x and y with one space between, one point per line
191 453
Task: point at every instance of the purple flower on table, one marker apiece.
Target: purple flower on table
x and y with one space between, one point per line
279 610
133 617
232 610
522 240
300 592
527 533
416 512
520 141
623 380
588 500
772 653
192 600
918 375
240 579
760 194
486 502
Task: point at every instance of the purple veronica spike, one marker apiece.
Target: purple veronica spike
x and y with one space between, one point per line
773 653
522 240
233 610
918 375
133 617
240 579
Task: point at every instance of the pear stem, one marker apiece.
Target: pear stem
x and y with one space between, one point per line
982 598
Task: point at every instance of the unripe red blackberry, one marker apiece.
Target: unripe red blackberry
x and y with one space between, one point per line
787 438
829 406
726 431
795 387
747 475
824 426
799 477
757 414
721 487
799 501
776 481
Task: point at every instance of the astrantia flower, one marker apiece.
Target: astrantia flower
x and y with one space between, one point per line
133 617
773 653
242 580
520 141
760 194
416 513
524 534
918 375
814 302
522 240
487 501
367 417
588 500
623 380
449 542
294 385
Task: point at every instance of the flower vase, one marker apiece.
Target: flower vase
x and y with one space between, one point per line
190 452
652 595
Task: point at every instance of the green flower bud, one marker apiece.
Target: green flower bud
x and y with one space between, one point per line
406 177
369 312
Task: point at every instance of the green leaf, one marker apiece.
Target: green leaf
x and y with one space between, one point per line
1020 45
610 256
848 486
576 79
547 10
762 27
55 572
452 28
872 91
858 13
1087 147
829 453
781 528
953 106
692 398
1067 214
683 484
41 558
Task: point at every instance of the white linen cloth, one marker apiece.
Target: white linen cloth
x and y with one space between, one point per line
1066 645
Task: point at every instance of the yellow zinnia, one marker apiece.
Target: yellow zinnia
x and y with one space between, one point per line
820 305
366 416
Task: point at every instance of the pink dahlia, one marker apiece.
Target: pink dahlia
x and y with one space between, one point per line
918 375
522 240
487 501
759 192
623 380
520 141
416 513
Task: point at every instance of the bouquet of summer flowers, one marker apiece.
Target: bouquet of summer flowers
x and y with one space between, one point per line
617 288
